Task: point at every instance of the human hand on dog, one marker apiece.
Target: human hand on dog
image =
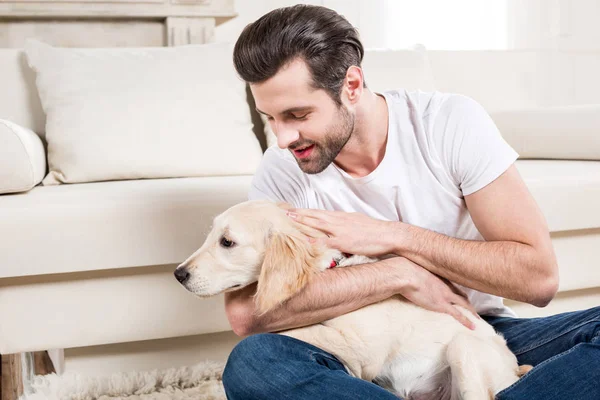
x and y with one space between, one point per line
356 233
353 233
430 291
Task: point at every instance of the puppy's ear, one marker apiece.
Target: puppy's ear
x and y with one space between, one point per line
290 262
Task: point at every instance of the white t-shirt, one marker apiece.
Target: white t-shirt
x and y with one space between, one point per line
440 148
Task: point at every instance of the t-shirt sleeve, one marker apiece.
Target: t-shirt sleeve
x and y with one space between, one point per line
474 151
279 178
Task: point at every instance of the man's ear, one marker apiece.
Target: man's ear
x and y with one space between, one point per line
290 262
354 84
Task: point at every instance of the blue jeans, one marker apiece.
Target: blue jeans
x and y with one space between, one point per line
564 349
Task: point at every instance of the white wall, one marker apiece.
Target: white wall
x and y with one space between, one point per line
437 24
453 24
551 77
554 24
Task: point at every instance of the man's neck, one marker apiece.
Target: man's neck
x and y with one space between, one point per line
366 148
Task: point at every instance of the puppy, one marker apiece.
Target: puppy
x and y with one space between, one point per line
412 352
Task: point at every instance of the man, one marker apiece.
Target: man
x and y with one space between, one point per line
424 176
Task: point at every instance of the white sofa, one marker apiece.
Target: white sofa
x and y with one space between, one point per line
91 263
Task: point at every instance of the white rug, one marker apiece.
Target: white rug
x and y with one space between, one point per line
202 381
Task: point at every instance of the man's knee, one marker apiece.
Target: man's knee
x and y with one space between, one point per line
246 365
589 329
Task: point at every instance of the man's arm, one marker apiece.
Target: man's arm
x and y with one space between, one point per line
341 290
517 259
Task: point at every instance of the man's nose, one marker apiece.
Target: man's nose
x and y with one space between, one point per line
182 275
286 135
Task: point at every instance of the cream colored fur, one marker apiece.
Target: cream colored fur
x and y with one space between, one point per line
413 352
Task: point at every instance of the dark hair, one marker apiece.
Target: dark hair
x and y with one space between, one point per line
324 39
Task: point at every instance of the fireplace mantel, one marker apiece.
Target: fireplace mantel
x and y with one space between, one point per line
105 23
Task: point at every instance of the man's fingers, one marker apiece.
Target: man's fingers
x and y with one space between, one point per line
332 243
309 231
322 215
453 287
308 221
460 317
461 301
459 292
316 224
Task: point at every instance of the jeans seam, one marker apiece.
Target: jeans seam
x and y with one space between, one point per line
538 344
328 356
596 336
536 368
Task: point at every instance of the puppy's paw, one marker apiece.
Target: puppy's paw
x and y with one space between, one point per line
523 369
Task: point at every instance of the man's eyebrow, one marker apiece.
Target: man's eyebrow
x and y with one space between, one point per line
290 110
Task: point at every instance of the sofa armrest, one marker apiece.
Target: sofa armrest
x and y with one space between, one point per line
22 158
567 132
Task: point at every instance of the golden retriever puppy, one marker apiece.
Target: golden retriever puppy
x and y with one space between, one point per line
413 352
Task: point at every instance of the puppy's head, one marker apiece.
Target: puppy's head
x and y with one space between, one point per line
252 241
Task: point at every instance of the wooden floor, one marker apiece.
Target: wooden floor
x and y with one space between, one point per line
10 369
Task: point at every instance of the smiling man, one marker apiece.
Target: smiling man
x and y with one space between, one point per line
424 176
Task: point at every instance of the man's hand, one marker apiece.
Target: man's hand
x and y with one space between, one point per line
357 233
353 233
431 292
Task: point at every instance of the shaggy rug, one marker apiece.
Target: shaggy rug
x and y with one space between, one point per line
202 381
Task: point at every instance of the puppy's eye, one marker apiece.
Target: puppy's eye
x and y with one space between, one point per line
226 242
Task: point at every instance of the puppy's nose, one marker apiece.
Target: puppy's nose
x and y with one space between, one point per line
182 275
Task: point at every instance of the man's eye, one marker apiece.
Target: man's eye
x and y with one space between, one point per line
226 242
300 117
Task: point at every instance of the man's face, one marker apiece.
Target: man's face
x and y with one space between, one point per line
305 120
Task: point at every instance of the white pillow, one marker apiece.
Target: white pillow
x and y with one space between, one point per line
386 69
119 113
564 132
22 158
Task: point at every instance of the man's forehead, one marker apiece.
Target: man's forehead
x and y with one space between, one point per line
290 88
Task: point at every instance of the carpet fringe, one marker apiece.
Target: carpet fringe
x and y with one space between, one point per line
202 381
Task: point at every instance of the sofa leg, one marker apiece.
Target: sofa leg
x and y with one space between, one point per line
12 382
17 371
42 363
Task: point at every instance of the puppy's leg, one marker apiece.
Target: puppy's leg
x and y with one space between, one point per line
480 367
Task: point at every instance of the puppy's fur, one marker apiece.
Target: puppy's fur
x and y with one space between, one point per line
413 352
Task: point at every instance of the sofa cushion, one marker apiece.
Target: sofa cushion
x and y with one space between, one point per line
577 256
22 158
568 192
398 69
19 100
100 307
498 80
83 227
143 113
568 132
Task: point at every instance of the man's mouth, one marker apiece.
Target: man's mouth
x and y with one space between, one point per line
304 152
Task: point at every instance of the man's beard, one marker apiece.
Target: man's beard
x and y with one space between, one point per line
326 150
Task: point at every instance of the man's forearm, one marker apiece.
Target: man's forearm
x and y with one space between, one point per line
509 269
328 295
